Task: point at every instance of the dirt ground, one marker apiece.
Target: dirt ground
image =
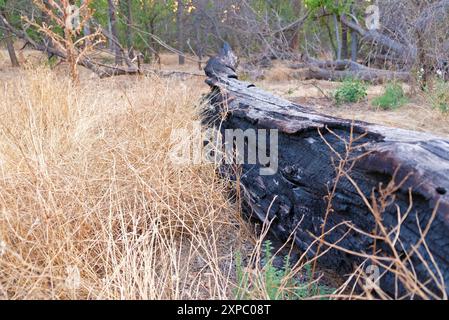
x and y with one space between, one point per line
417 114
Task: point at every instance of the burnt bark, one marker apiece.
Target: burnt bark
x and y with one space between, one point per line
294 197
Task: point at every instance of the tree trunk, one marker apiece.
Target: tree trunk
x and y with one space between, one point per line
337 36
86 29
71 55
126 6
354 46
110 42
199 39
10 44
180 31
315 153
114 33
354 41
345 41
47 20
294 42
151 50
11 50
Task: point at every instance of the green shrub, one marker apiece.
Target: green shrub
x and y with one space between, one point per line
350 91
277 284
52 61
439 96
392 98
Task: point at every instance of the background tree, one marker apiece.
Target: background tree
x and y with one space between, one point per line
7 35
411 35
66 37
113 37
180 29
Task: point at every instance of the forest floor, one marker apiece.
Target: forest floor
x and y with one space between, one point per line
415 114
86 184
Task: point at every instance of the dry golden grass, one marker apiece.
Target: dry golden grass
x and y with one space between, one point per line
25 56
92 206
87 188
279 72
170 62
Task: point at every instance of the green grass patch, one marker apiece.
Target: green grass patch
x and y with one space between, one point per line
392 98
439 96
351 91
275 283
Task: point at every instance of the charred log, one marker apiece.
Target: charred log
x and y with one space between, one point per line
296 196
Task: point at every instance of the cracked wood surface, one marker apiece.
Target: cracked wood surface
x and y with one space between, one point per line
295 196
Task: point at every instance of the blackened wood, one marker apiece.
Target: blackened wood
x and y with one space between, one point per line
297 192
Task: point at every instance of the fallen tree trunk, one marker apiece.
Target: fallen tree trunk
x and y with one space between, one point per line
340 70
406 52
371 75
372 195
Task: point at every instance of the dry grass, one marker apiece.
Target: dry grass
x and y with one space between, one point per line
25 56
87 188
93 208
399 261
169 62
279 72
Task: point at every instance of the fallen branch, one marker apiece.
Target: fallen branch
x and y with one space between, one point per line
343 69
371 75
401 50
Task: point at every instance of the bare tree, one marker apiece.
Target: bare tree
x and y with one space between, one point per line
67 17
